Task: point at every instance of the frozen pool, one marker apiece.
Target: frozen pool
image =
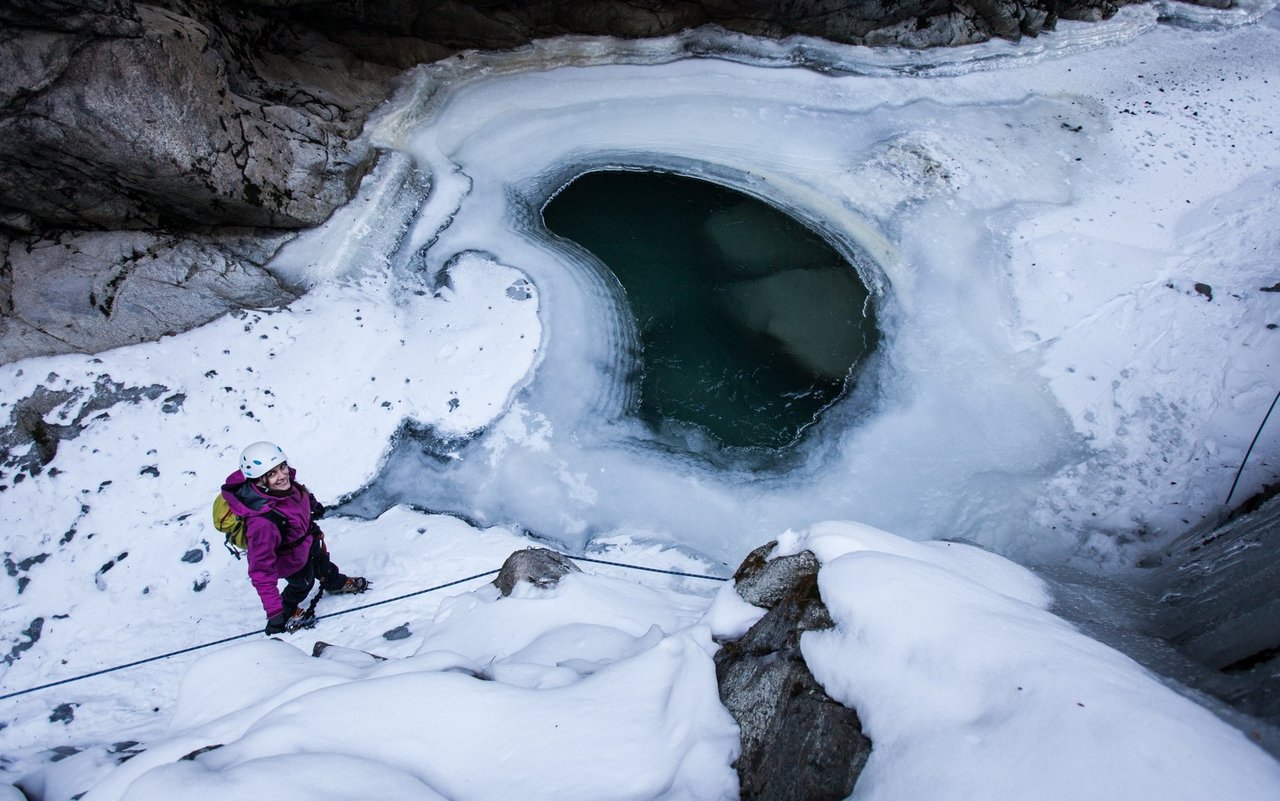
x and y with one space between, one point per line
749 323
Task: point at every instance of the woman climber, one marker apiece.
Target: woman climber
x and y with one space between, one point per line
283 540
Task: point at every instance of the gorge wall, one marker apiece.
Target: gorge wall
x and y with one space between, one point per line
154 156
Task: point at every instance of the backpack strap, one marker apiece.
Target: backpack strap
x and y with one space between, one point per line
254 502
278 519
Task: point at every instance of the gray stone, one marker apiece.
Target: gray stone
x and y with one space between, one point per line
401 632
29 439
764 583
538 566
369 26
337 653
105 17
797 742
144 131
90 291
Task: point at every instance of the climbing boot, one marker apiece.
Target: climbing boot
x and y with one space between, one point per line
354 584
301 619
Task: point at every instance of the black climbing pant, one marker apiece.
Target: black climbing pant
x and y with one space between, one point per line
318 566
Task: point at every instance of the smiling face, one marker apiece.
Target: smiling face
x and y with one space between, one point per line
277 479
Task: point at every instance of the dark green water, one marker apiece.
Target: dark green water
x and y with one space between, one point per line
750 323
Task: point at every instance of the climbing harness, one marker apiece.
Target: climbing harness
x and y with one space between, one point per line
313 619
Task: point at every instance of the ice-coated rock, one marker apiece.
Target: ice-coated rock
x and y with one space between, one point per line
30 437
127 116
540 567
797 743
1219 598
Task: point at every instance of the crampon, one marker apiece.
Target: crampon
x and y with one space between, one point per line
301 619
304 618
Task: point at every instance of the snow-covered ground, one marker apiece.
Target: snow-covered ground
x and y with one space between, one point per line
1052 385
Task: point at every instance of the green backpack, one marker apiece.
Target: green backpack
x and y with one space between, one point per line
233 525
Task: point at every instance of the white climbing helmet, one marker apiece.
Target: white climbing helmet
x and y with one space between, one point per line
257 459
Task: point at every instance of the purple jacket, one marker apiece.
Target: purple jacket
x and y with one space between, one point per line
273 554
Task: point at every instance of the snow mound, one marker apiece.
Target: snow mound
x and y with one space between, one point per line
595 689
970 689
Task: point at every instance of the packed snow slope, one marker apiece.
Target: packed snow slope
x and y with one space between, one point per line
1054 384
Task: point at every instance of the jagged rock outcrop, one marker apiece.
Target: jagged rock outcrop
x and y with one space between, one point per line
540 567
179 121
491 24
92 290
153 157
181 113
797 742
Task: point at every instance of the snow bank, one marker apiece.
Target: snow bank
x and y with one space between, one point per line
595 689
969 689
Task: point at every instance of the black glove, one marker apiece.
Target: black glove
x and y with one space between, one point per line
317 508
275 624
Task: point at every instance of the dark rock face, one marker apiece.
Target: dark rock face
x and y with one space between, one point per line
538 566
106 17
29 441
492 24
178 124
152 157
1219 604
797 743
92 290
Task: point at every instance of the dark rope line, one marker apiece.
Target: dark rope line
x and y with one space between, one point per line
328 616
231 639
649 569
129 665
1257 434
342 612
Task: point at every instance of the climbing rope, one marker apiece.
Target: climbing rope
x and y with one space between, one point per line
1265 417
231 639
339 613
647 569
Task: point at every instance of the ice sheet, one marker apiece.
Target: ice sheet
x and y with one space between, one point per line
1033 220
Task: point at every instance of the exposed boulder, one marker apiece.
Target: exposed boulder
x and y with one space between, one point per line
540 567
797 742
152 159
90 291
